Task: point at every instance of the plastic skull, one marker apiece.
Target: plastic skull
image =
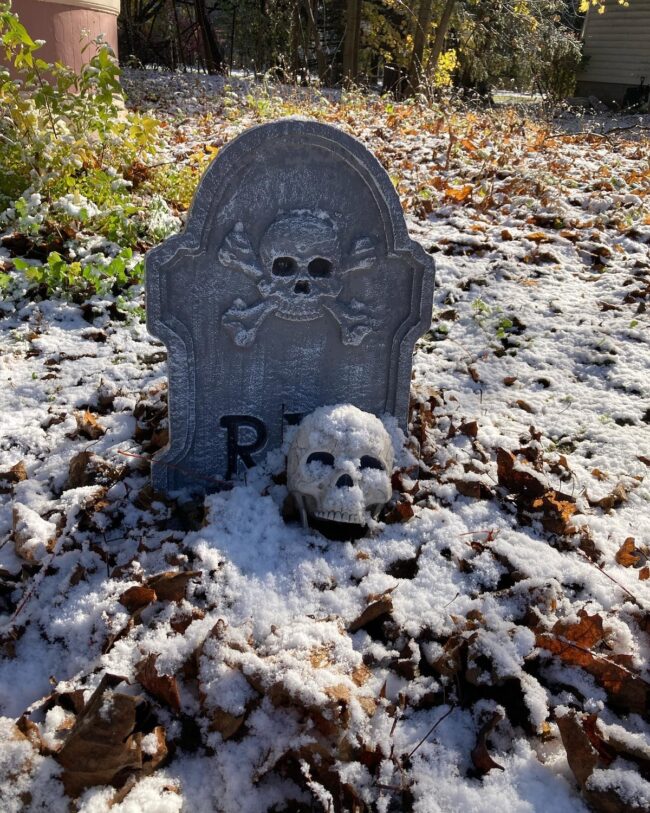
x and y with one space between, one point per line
339 465
300 255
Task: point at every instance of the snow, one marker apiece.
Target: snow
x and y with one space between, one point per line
266 631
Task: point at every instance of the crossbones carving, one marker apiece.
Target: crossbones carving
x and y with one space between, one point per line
299 273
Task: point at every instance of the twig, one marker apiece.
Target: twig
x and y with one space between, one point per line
611 578
431 730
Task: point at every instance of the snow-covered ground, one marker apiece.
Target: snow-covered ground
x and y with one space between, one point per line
497 616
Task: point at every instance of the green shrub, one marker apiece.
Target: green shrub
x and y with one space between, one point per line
64 132
82 278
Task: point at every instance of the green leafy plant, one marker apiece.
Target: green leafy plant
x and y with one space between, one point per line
60 129
83 277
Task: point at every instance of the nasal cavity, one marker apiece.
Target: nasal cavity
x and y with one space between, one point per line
344 481
301 287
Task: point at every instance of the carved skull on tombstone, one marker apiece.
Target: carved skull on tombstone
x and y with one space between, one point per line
299 271
339 466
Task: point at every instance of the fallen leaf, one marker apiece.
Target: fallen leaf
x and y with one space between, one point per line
644 574
33 536
224 722
88 426
171 585
617 497
16 474
163 687
557 510
587 632
627 691
525 406
598 474
627 555
516 477
137 597
509 380
376 609
459 193
538 237
400 512
470 429
581 754
481 758
102 747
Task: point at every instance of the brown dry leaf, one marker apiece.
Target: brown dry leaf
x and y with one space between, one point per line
525 406
481 758
368 704
459 193
538 237
163 687
77 470
319 656
361 674
644 460
598 474
644 574
470 429
16 474
474 373
400 512
225 723
587 751
340 693
473 488
137 597
581 754
514 476
509 380
587 632
171 585
88 426
557 510
627 555
33 536
627 691
376 609
102 747
617 497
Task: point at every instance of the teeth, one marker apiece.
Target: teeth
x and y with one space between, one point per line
341 516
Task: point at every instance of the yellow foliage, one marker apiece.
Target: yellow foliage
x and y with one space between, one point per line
447 63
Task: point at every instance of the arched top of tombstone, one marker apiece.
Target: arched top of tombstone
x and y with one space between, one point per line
261 166
294 285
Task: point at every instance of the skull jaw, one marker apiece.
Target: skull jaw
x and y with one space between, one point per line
302 308
339 525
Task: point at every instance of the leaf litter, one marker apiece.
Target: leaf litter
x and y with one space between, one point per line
486 644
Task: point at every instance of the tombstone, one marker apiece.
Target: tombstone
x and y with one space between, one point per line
294 285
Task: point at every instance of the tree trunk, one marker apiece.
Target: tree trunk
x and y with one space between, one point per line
321 58
351 42
441 33
415 73
213 57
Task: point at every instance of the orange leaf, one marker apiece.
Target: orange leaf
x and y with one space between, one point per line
627 555
459 193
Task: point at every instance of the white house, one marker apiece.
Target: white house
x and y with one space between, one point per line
617 50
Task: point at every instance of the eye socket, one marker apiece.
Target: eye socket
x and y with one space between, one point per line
319 267
284 267
368 462
321 457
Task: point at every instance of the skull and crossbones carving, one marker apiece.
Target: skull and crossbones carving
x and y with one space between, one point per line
299 272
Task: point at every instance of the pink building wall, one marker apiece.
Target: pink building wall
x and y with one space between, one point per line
60 24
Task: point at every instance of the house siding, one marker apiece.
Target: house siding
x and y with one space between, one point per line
617 45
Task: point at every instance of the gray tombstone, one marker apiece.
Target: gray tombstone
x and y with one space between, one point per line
294 285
